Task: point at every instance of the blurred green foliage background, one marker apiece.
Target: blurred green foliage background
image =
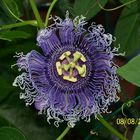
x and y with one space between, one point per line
23 123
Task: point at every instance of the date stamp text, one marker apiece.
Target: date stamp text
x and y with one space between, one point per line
128 121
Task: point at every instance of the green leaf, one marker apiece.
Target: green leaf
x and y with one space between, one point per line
4 122
136 135
9 133
87 8
128 30
10 35
5 88
11 7
4 16
2 38
131 71
22 46
65 5
126 1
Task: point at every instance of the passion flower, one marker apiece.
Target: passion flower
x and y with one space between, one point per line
74 77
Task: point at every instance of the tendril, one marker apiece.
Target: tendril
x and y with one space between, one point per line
116 8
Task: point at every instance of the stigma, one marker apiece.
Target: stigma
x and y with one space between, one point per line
71 66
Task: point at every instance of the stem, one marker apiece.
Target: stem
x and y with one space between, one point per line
49 11
118 7
36 13
112 129
64 133
29 22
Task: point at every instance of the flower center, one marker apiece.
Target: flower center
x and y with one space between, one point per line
71 66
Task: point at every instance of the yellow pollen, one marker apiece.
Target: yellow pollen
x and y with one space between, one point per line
71 79
64 55
58 67
71 66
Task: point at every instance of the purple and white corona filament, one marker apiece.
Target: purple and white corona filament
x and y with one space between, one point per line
74 77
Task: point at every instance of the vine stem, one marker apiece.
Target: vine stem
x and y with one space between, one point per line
63 133
36 13
49 11
112 129
118 7
29 22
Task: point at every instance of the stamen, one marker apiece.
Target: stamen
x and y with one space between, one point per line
71 79
81 70
68 70
58 67
65 55
77 56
